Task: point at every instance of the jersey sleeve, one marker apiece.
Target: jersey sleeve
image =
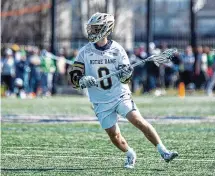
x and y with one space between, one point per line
124 60
77 70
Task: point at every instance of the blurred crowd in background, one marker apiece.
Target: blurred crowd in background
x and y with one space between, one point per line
195 69
27 73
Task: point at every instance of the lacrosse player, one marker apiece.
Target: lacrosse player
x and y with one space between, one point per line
111 96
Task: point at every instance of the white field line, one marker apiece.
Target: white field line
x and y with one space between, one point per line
112 158
72 148
92 119
159 120
54 150
47 148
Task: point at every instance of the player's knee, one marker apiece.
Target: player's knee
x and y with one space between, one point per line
141 123
115 136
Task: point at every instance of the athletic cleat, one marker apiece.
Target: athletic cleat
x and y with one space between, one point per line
169 156
130 159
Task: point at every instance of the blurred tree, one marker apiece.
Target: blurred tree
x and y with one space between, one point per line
28 21
22 21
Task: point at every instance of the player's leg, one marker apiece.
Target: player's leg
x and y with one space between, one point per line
119 141
107 116
211 85
108 120
128 109
116 138
138 121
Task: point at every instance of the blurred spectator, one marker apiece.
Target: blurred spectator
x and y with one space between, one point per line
8 71
35 77
47 70
187 66
200 68
18 55
21 64
22 69
210 56
210 60
61 67
74 54
138 73
152 70
211 82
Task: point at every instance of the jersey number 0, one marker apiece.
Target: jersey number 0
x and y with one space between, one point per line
102 71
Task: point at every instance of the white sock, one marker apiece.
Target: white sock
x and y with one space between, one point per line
130 151
161 149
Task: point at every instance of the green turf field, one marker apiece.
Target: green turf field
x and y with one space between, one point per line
84 149
149 106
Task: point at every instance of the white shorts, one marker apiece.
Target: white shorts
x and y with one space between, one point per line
107 112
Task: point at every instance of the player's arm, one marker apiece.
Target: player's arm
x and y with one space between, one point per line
78 79
125 66
126 74
76 73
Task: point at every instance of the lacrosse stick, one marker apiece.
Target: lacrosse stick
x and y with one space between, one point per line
162 58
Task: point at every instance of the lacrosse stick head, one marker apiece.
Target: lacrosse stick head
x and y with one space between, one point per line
164 57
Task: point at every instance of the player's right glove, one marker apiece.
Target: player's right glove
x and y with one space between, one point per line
87 82
126 73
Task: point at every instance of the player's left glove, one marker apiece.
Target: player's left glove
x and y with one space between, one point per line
87 82
126 73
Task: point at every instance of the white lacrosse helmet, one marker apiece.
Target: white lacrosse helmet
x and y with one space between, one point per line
99 26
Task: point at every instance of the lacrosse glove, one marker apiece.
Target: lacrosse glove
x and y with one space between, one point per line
125 74
87 82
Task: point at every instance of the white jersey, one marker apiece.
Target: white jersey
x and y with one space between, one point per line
99 63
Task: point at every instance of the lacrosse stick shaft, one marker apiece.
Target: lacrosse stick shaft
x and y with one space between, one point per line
133 65
164 57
